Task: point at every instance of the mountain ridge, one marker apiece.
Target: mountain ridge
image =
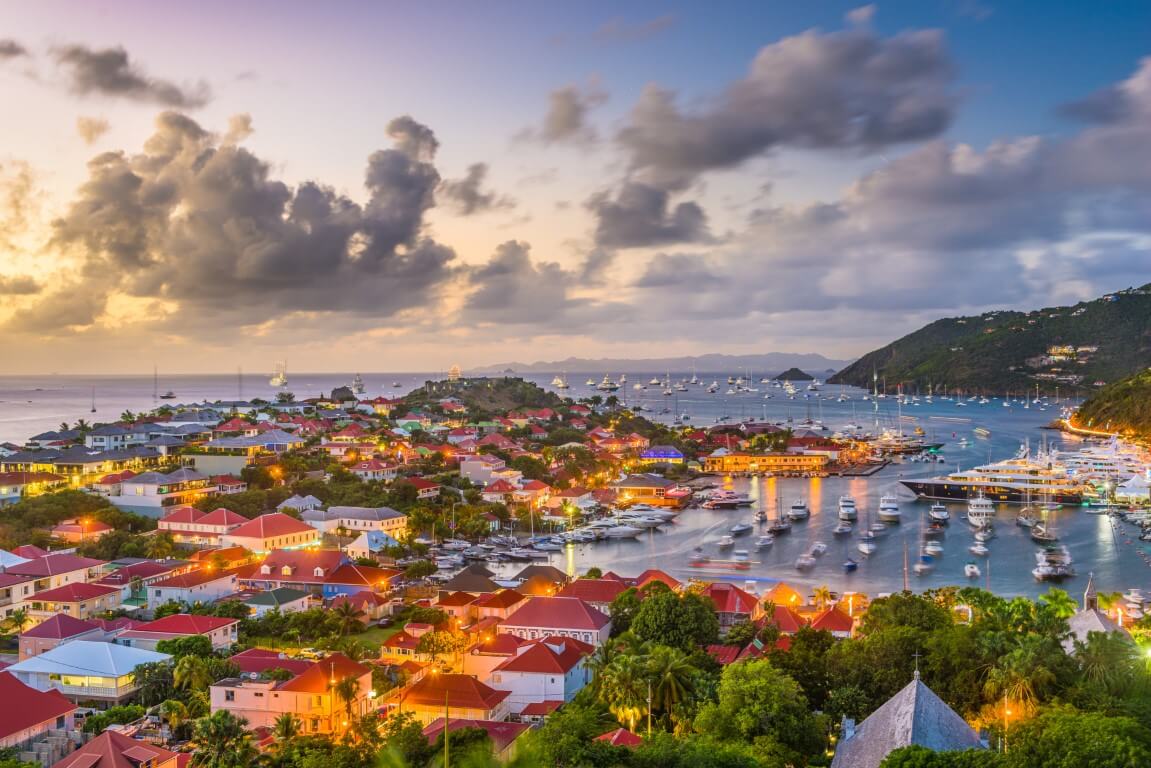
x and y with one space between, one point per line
1077 348
764 363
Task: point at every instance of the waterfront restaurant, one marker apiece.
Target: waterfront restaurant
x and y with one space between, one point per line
727 462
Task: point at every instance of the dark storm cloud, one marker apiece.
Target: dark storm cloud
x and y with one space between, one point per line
204 225
513 290
566 120
641 215
10 49
110 72
848 89
945 227
467 196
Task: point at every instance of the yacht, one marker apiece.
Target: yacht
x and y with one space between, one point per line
740 529
358 385
765 541
979 550
169 395
726 541
889 509
590 382
798 510
655 382
971 570
607 385
1012 481
622 532
280 377
1053 564
561 382
938 513
844 528
847 509
980 511
805 561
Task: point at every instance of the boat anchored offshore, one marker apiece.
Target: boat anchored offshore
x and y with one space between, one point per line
889 509
939 514
847 509
1012 481
971 570
798 510
980 512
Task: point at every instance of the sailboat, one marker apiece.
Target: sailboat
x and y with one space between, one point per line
93 400
358 385
781 524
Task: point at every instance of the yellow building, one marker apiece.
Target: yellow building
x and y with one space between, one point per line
739 463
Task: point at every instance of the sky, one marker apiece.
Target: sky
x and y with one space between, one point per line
407 186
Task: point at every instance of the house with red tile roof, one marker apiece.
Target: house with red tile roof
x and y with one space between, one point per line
458 605
654 574
551 669
353 433
79 530
620 737
732 604
309 695
425 489
374 469
498 491
785 619
464 695
204 585
188 525
374 606
222 632
56 630
228 484
26 714
274 530
325 573
80 601
835 621
541 617
504 737
533 493
497 605
595 592
112 749
259 660
51 570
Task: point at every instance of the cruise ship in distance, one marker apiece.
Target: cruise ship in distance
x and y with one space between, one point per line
1012 481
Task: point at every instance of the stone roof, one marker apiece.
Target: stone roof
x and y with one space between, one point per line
915 715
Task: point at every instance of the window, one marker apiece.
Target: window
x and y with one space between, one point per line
229 695
259 694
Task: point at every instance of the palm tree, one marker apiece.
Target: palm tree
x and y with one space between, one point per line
349 618
223 742
286 727
127 416
161 546
1108 660
1062 604
191 672
347 690
672 677
174 712
624 689
822 596
1024 674
16 620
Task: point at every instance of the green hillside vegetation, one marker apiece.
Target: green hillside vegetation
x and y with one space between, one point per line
794 374
1124 406
487 395
1009 351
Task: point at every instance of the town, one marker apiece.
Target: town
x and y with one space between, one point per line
324 581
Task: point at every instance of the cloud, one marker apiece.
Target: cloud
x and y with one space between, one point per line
1115 103
18 285
239 128
861 16
849 89
109 72
466 195
10 49
204 228
944 228
513 290
641 216
91 129
566 120
620 31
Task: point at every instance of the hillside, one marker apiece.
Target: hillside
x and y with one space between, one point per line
491 395
765 363
1073 348
1124 406
794 374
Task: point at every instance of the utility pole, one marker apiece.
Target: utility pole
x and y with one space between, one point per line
446 722
649 709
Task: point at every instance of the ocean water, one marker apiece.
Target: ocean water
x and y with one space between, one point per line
1098 543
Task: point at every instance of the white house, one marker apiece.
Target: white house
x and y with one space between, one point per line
202 586
356 519
544 617
152 493
86 669
552 669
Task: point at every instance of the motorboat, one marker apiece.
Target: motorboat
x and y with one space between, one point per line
984 535
763 542
1053 564
740 529
622 532
878 528
979 550
805 561
740 554
938 513
844 528
761 516
1025 520
847 510
866 546
850 565
923 566
798 510
980 511
725 542
889 509
933 548
971 570
818 549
